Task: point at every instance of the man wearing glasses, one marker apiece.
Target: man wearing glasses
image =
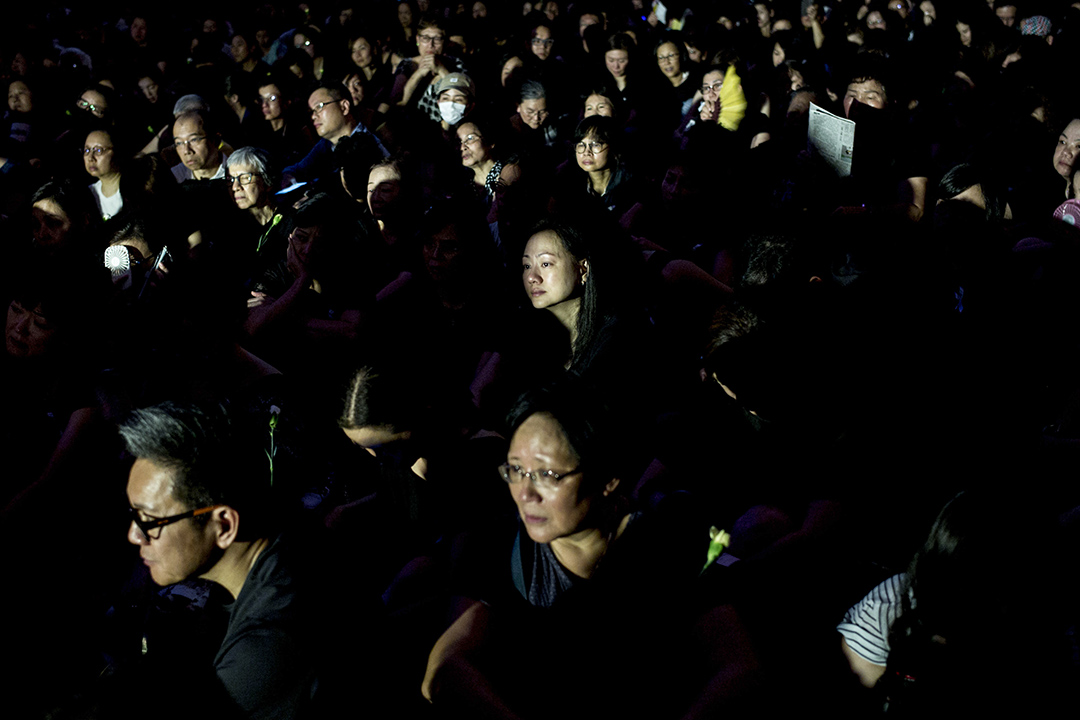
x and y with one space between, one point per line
198 145
199 509
333 119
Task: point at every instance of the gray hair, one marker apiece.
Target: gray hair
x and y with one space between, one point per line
256 158
188 103
211 460
532 90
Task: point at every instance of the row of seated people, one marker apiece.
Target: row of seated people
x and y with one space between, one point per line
715 353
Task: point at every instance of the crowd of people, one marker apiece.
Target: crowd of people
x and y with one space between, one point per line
722 352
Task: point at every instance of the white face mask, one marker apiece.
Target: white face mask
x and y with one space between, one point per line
451 112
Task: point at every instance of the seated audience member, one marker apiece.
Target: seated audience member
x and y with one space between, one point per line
620 70
198 143
251 182
152 111
478 155
286 133
425 486
64 221
455 95
1066 153
541 57
25 124
393 190
365 56
533 113
576 271
584 573
201 506
922 645
673 64
333 119
602 179
598 102
244 122
308 40
970 184
886 174
245 53
415 77
103 158
319 313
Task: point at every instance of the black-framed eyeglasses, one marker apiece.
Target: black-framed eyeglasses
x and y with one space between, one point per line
590 147
150 525
267 99
470 139
664 58
97 150
244 178
431 39
547 42
541 479
715 87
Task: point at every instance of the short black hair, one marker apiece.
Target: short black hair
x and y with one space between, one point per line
869 67
594 432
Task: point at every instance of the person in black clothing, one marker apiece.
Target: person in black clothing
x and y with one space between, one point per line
199 508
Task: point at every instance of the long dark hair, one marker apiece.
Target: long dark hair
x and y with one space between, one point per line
970 596
600 242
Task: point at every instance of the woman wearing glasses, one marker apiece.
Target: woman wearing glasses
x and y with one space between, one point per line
597 149
674 66
102 161
583 582
263 248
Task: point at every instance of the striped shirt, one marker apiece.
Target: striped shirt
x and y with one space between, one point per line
866 625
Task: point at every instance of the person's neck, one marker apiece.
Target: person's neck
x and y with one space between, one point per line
676 80
110 184
232 569
369 71
207 173
249 64
620 82
566 313
599 180
581 552
349 127
480 172
263 214
239 109
277 123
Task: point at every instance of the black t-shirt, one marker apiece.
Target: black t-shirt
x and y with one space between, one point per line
615 642
266 660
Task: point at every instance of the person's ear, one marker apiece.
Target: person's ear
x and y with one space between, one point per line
227 525
346 105
610 487
584 268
